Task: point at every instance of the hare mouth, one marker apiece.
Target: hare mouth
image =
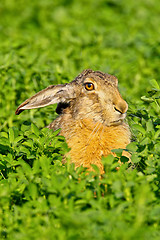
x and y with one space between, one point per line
117 122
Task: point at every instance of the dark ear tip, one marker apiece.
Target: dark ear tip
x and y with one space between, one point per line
18 111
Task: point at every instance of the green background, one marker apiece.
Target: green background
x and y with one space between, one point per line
49 42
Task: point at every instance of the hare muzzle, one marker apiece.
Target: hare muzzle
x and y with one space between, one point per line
121 107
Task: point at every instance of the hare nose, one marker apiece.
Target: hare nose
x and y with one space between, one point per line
121 107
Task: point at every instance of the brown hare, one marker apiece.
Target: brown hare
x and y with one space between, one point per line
91 116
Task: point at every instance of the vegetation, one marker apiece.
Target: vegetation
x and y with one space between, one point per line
50 42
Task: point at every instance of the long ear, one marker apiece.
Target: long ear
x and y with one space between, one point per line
50 95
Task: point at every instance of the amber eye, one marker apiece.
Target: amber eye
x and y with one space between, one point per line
89 86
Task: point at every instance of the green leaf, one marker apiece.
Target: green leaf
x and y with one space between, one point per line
44 163
124 159
154 84
25 126
33 136
151 178
19 138
23 149
36 166
96 169
108 160
32 188
4 134
150 170
4 141
11 135
139 128
145 141
132 147
35 129
147 99
28 143
135 158
149 125
157 133
118 152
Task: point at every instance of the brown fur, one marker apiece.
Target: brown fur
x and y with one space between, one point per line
90 141
91 121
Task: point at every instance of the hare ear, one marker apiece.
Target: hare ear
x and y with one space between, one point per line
50 95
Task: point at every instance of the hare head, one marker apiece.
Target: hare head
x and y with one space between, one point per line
91 95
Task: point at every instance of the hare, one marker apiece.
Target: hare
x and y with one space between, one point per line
91 116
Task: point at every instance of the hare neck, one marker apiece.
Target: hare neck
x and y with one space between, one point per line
90 141
84 133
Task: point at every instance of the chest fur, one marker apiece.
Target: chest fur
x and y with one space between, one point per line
90 141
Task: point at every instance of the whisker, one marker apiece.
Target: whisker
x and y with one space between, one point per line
96 127
97 130
133 115
101 133
99 126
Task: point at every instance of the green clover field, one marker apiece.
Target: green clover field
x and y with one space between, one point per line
47 42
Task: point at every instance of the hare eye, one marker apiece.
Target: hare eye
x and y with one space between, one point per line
89 86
